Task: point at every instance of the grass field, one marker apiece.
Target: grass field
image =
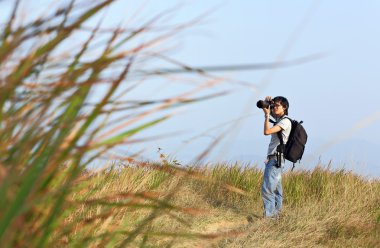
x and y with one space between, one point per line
204 207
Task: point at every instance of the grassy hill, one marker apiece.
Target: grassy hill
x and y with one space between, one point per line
159 205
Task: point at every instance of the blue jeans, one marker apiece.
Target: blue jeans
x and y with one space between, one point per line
271 190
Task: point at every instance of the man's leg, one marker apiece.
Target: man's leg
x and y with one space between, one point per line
272 176
278 196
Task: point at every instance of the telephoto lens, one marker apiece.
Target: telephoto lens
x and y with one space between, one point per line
262 104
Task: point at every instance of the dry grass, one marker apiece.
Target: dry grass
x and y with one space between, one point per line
322 208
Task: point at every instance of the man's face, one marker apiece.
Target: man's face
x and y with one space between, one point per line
278 110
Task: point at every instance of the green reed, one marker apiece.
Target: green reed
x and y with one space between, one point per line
53 126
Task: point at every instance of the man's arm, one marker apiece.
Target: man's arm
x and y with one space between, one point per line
269 130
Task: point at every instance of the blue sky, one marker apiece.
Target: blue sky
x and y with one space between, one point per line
335 96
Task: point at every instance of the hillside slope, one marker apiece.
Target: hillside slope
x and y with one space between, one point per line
220 206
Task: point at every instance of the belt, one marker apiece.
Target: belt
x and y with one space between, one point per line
269 157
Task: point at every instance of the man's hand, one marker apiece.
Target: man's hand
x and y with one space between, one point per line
267 110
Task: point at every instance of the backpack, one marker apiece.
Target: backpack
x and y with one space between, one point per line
295 147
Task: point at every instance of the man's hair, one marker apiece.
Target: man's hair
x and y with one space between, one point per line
283 101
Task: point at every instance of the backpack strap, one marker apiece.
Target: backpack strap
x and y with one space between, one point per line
279 135
281 147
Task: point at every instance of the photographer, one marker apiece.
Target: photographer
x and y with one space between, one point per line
271 191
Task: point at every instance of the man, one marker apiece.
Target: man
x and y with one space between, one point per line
271 191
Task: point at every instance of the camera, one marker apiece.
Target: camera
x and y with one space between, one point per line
264 104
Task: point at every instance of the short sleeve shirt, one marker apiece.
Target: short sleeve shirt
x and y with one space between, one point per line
285 126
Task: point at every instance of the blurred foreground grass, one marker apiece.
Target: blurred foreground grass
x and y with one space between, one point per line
67 99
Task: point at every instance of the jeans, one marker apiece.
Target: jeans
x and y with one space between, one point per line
271 190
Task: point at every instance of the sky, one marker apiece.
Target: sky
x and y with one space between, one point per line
335 95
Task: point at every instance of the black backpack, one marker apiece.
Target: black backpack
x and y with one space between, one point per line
294 148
